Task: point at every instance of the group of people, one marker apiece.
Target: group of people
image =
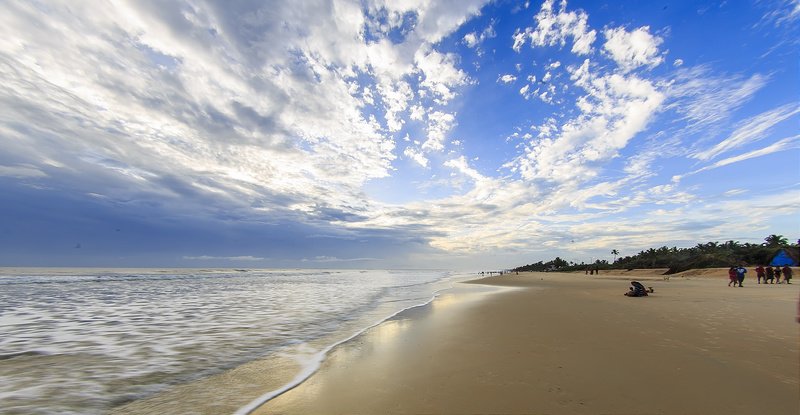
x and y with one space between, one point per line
768 274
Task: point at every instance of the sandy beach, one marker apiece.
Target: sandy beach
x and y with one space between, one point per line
548 343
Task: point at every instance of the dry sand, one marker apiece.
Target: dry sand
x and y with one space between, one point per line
572 344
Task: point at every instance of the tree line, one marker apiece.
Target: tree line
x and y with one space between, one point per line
707 255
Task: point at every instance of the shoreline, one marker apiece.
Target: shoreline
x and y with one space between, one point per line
323 354
248 385
569 343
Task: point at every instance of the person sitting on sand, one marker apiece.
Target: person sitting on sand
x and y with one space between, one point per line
760 273
637 290
770 274
787 274
732 276
778 274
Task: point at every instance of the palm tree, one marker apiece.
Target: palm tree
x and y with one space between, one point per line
615 253
731 244
776 240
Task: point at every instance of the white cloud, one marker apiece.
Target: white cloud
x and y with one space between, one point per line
553 28
367 96
473 39
435 19
548 95
416 155
520 37
507 78
615 109
417 113
562 185
439 73
462 165
633 49
677 63
169 99
396 97
524 91
439 124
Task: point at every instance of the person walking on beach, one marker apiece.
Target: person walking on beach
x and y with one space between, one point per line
787 274
770 274
760 273
732 276
778 274
740 272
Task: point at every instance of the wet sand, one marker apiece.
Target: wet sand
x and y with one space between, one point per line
571 344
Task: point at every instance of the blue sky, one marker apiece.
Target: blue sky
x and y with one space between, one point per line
463 133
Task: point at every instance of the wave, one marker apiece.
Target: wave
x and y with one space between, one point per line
28 353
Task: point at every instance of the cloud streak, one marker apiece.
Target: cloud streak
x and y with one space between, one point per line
750 130
787 143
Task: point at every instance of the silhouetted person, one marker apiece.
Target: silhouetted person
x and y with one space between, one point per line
787 274
770 274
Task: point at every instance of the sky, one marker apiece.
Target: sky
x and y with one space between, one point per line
462 134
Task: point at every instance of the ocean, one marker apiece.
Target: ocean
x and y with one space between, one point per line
91 341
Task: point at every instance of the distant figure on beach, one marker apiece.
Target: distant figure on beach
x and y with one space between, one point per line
778 275
787 274
740 273
770 274
637 290
732 276
760 273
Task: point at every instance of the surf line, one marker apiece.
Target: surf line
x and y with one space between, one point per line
317 362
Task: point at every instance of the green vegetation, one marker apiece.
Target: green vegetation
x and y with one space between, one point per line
708 255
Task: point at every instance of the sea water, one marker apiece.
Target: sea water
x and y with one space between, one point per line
87 341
